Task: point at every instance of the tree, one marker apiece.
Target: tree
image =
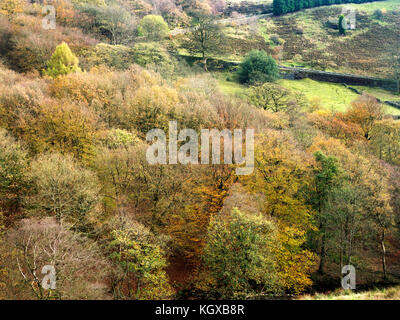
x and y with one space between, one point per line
378 207
279 7
80 268
153 55
117 138
239 255
11 7
258 67
364 112
326 178
385 140
342 25
281 175
153 28
117 23
62 62
13 180
358 209
205 37
62 189
141 259
274 97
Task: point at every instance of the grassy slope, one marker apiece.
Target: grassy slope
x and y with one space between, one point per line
366 50
320 47
331 96
309 42
249 1
392 293
372 6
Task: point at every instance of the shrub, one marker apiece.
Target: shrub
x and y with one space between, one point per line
117 138
258 67
276 39
154 56
153 27
379 13
117 57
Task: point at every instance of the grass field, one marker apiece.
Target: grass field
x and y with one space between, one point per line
372 6
307 41
392 293
310 42
331 96
304 39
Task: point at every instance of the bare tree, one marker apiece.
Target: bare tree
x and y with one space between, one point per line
80 269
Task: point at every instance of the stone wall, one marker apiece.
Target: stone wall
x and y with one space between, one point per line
349 79
294 73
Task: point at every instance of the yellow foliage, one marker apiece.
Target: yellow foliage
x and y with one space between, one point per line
11 7
280 173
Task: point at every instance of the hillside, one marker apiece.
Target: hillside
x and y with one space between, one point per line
164 150
368 50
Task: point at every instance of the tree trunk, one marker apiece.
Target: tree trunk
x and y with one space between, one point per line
205 64
322 254
383 255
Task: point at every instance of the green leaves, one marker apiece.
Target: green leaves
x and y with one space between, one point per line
62 62
258 67
137 251
239 255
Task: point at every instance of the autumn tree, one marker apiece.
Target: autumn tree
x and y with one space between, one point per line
131 182
117 23
62 189
364 112
205 37
50 124
239 255
358 206
13 179
385 140
142 260
379 208
280 176
11 7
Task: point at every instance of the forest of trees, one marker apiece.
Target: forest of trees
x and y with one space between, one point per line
286 6
77 193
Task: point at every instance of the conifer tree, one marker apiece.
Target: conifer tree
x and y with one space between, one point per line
342 22
62 62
